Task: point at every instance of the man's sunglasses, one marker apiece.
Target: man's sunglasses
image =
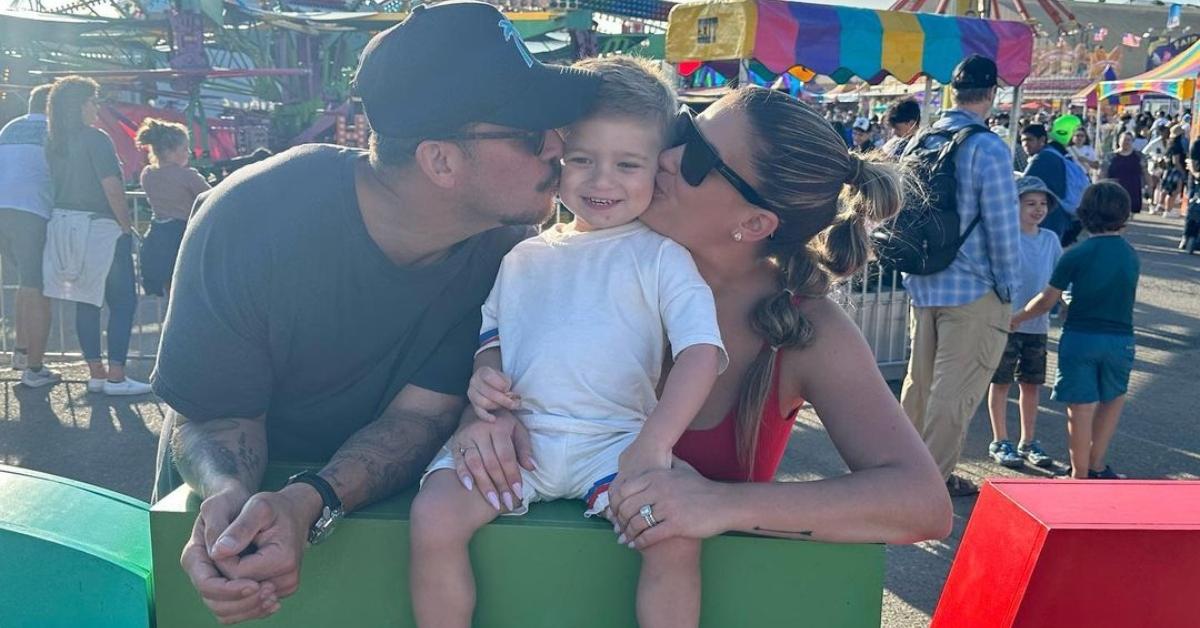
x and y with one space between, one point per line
533 141
700 158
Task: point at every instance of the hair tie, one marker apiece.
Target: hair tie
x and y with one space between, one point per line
774 349
793 298
855 174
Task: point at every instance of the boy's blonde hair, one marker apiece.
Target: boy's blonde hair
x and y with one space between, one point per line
632 88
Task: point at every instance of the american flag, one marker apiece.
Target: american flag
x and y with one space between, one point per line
1100 34
1131 40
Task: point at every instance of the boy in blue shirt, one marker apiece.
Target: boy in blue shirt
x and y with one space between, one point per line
1025 355
1095 353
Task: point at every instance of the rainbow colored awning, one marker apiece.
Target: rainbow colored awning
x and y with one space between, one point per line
842 42
1175 78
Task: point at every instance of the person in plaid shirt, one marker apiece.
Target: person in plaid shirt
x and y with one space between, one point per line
960 316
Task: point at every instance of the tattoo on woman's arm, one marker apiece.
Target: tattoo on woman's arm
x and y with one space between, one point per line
788 533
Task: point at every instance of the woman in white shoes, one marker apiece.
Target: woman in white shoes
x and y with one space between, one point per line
89 243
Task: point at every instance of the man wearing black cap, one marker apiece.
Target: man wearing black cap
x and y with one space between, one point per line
326 305
961 314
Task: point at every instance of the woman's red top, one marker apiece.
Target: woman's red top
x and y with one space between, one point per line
714 451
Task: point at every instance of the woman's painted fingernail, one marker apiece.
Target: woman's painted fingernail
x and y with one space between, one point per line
632 545
491 497
517 490
468 483
621 539
508 500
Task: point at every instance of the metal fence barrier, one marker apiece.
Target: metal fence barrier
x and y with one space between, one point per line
873 298
63 342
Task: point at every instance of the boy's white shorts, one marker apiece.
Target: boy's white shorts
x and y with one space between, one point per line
576 459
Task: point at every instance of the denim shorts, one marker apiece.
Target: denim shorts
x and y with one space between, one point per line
1092 367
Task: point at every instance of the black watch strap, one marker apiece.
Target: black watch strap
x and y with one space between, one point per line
329 497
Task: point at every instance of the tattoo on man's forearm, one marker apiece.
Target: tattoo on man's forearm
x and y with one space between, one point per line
249 458
386 455
203 452
788 533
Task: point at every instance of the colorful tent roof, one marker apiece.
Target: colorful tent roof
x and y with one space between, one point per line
1175 78
842 42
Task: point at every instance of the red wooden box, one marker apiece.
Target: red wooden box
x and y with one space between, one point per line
1086 553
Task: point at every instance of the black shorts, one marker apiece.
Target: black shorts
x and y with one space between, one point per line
22 240
1024 356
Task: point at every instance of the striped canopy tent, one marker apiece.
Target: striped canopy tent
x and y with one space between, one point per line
841 42
1175 78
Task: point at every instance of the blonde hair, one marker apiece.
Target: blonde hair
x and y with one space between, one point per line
824 196
632 88
160 137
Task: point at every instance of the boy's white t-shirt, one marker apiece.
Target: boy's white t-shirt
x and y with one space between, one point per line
580 318
1039 254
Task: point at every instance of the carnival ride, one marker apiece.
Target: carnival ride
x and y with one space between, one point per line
245 74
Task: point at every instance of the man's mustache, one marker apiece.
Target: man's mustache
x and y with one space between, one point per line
551 181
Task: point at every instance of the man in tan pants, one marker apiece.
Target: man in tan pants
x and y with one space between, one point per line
960 315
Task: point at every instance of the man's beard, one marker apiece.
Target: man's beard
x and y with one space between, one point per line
537 216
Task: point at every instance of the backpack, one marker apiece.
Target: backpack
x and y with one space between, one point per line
1076 179
924 237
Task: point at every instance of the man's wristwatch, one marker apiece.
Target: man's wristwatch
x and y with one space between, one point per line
331 510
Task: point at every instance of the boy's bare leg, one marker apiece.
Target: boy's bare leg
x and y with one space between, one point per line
998 410
1079 430
1030 395
443 519
1103 428
669 586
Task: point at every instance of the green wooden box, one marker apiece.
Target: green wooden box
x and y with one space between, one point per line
71 554
550 568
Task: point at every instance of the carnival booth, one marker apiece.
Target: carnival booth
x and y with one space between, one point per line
842 42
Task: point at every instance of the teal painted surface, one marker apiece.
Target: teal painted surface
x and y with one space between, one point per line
551 568
71 554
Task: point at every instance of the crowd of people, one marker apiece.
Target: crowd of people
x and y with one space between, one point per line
67 229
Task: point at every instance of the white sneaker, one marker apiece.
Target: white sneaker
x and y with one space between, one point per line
20 361
125 388
37 379
96 384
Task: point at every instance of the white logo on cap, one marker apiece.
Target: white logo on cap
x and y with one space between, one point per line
511 34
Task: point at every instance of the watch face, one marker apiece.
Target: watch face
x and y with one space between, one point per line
324 525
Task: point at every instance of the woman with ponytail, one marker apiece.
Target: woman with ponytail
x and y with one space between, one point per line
171 188
774 208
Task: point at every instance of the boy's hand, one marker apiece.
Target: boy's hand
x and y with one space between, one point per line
639 458
491 390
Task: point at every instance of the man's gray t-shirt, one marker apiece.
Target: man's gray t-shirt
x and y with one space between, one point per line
283 305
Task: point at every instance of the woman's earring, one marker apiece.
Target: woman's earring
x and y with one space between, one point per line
737 236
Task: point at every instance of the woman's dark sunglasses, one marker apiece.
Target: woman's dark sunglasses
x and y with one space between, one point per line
700 158
534 141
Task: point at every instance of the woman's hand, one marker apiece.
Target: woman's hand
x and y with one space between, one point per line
487 454
683 504
640 457
489 391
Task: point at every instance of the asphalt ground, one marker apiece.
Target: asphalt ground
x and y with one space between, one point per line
111 442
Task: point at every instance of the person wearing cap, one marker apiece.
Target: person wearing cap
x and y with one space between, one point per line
960 315
326 303
1024 357
863 142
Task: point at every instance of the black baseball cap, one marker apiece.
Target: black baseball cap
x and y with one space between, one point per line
975 72
455 63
